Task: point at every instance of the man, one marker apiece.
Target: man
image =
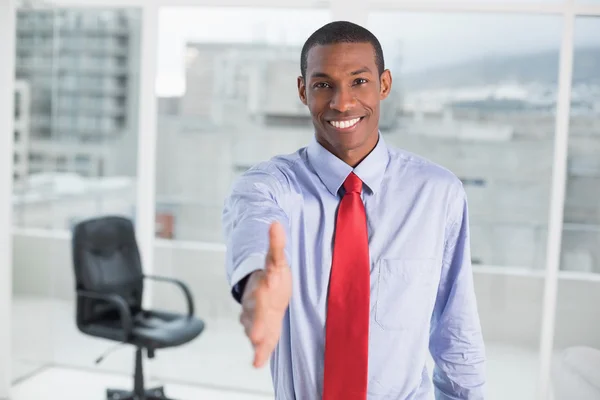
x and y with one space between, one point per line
351 258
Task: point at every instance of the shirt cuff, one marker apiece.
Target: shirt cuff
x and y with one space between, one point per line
239 276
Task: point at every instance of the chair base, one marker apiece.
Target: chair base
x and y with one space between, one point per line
157 393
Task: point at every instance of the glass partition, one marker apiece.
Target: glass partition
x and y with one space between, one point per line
475 92
480 99
577 323
227 99
75 157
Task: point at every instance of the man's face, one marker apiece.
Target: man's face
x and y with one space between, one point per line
342 90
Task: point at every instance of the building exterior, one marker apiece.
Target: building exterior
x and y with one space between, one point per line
254 83
57 201
241 107
81 67
22 131
499 140
85 159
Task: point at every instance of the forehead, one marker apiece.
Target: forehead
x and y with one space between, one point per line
340 58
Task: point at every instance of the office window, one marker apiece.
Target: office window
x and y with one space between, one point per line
475 182
51 196
61 161
227 70
580 252
577 324
82 159
473 102
17 105
480 99
36 157
237 75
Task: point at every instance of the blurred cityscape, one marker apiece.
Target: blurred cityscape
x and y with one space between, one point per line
491 121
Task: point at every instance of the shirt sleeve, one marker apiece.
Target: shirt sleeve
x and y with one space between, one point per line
252 205
456 340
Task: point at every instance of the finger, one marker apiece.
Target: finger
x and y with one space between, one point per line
262 353
259 356
256 331
276 256
246 322
251 319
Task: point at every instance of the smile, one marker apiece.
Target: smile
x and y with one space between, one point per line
345 125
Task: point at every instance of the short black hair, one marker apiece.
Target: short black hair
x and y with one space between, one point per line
341 32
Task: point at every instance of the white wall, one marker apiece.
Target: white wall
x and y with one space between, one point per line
7 70
510 302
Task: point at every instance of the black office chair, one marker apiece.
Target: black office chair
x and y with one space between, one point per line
110 285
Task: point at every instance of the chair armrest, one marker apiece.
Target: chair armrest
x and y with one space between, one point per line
183 286
119 302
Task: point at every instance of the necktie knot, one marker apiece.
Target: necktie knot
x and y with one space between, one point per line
353 184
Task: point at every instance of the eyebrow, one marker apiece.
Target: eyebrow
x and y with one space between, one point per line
324 75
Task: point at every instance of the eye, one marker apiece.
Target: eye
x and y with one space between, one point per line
360 81
321 85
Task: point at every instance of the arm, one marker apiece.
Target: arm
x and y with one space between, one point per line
116 301
456 341
253 204
184 288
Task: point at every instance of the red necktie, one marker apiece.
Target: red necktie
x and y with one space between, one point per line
347 326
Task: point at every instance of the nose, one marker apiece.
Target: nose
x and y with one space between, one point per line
342 100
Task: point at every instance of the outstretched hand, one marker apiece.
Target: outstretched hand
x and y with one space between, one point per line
266 298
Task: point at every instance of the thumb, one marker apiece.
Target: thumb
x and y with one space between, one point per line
276 255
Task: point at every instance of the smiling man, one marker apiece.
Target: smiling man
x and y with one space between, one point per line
350 257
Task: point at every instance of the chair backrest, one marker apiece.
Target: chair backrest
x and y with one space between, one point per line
106 259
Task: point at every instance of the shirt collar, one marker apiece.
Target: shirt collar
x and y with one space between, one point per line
333 172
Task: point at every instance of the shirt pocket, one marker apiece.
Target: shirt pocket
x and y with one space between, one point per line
404 292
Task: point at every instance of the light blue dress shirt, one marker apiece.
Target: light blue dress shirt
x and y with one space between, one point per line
422 297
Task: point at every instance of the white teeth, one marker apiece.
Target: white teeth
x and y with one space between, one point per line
344 124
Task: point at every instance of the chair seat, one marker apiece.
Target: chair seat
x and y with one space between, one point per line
158 329
151 329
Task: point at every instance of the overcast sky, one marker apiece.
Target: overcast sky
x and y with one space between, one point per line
422 40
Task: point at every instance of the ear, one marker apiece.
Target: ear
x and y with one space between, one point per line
385 84
302 90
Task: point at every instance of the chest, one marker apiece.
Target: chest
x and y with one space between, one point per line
400 225
405 240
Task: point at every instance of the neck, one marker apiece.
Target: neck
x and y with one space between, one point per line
352 157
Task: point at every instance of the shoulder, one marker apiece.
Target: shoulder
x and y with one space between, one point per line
428 180
423 171
274 174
